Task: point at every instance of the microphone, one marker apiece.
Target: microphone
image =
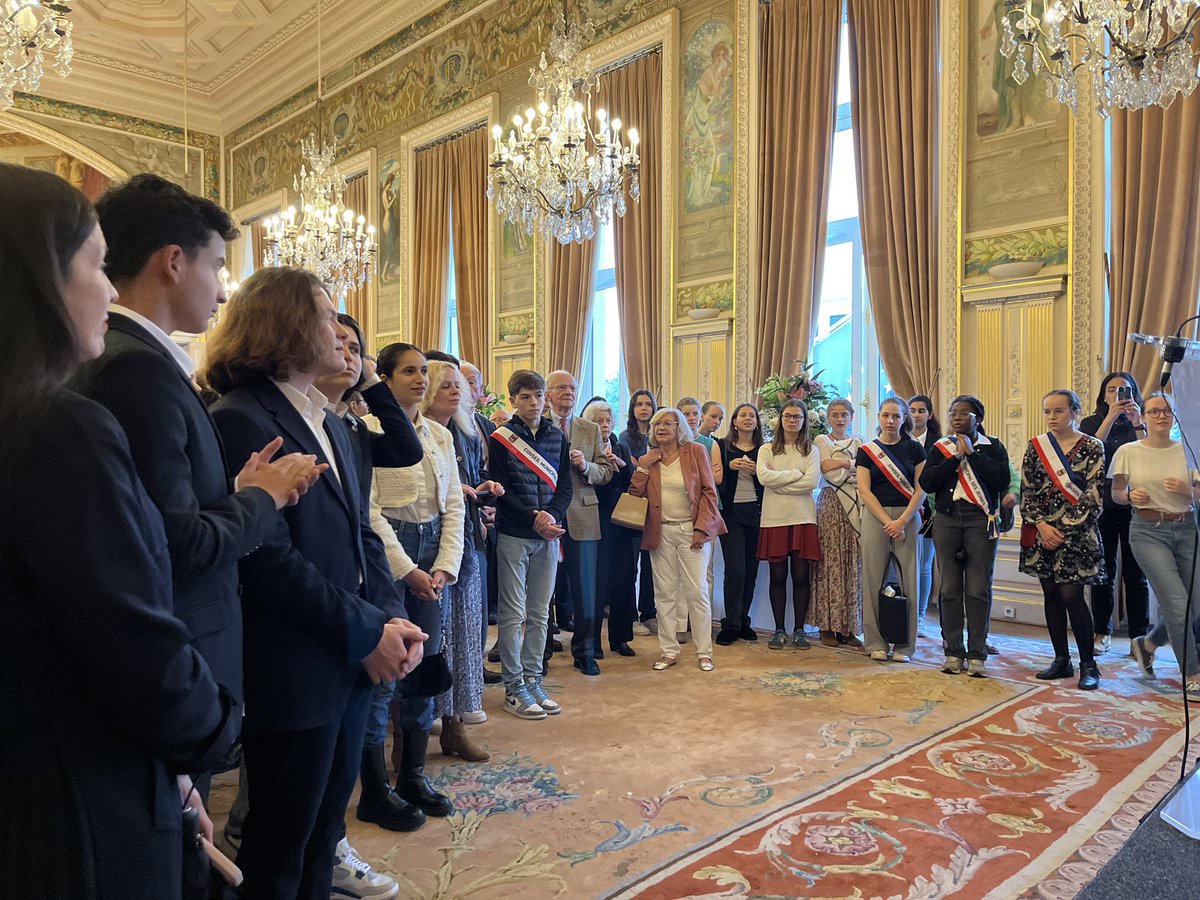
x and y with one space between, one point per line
1173 350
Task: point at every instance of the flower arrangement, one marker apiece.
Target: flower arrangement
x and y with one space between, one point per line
489 402
804 385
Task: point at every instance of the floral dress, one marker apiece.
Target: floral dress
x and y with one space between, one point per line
1080 558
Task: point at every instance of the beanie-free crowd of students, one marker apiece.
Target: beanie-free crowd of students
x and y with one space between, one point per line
147 539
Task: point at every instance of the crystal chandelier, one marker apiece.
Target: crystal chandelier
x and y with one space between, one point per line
1137 53
556 173
323 236
28 31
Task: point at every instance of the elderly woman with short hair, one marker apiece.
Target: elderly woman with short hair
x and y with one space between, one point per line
676 477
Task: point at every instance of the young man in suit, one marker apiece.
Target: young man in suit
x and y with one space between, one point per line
589 467
322 616
166 249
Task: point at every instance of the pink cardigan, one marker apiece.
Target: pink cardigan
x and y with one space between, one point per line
696 465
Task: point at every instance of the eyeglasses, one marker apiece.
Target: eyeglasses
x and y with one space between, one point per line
795 418
1159 413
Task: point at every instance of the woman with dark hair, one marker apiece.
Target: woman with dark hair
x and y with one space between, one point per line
967 474
636 438
926 431
1116 422
789 468
1061 479
741 496
888 470
616 563
837 599
91 645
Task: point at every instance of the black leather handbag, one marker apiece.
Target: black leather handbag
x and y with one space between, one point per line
893 605
429 679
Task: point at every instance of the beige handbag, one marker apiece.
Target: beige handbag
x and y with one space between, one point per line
631 511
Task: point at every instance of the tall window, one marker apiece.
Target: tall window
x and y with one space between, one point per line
845 346
452 341
603 371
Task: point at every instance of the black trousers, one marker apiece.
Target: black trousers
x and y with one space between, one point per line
645 597
1114 533
300 784
739 547
616 579
579 566
967 557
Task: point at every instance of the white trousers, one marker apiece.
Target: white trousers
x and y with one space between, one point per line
679 572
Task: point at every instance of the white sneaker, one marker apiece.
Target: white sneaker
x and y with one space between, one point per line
522 705
640 629
549 705
1102 643
652 624
879 655
476 717
977 668
901 657
953 665
353 878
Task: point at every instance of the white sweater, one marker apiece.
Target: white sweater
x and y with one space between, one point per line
788 481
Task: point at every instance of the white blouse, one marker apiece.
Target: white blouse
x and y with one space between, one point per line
676 507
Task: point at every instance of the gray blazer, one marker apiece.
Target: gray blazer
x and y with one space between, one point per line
583 515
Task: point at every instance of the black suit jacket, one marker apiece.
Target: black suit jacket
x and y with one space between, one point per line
318 592
102 699
397 448
181 461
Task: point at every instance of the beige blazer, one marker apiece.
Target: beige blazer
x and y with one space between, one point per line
583 515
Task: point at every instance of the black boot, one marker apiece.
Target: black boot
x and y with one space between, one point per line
1060 668
378 803
411 783
1089 676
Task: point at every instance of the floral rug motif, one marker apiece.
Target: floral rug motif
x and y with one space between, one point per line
1031 792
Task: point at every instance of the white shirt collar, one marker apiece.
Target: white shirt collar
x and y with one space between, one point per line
177 353
311 404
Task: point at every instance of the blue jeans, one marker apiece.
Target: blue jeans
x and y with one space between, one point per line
421 543
1164 550
525 581
926 550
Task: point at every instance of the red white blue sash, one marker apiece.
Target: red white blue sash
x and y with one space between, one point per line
890 469
1055 462
968 481
524 451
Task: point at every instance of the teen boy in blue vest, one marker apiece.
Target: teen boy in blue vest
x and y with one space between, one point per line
530 457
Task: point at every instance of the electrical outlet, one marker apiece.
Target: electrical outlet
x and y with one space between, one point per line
1010 612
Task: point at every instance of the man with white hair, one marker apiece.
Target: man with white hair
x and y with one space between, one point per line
590 466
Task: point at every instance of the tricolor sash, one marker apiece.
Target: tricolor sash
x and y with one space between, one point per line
1055 462
968 480
529 457
879 454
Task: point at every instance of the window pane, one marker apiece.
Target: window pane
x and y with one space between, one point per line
452 342
833 346
843 187
843 77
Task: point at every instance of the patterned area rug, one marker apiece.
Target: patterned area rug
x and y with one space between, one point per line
795 774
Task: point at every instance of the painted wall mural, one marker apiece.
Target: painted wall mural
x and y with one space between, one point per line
708 116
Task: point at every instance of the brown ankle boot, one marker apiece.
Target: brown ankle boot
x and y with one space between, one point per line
456 743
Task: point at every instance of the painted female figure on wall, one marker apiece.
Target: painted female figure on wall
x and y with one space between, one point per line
707 124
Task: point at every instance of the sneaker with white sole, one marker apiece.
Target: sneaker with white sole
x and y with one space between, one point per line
1143 652
977 668
1102 643
652 624
640 629
879 655
1193 689
522 705
952 666
353 878
778 640
475 717
901 657
549 705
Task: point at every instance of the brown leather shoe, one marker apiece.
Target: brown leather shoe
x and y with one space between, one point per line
829 639
456 743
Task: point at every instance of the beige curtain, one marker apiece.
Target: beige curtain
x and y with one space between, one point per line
1155 281
797 82
572 276
893 60
469 214
432 175
357 198
633 93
